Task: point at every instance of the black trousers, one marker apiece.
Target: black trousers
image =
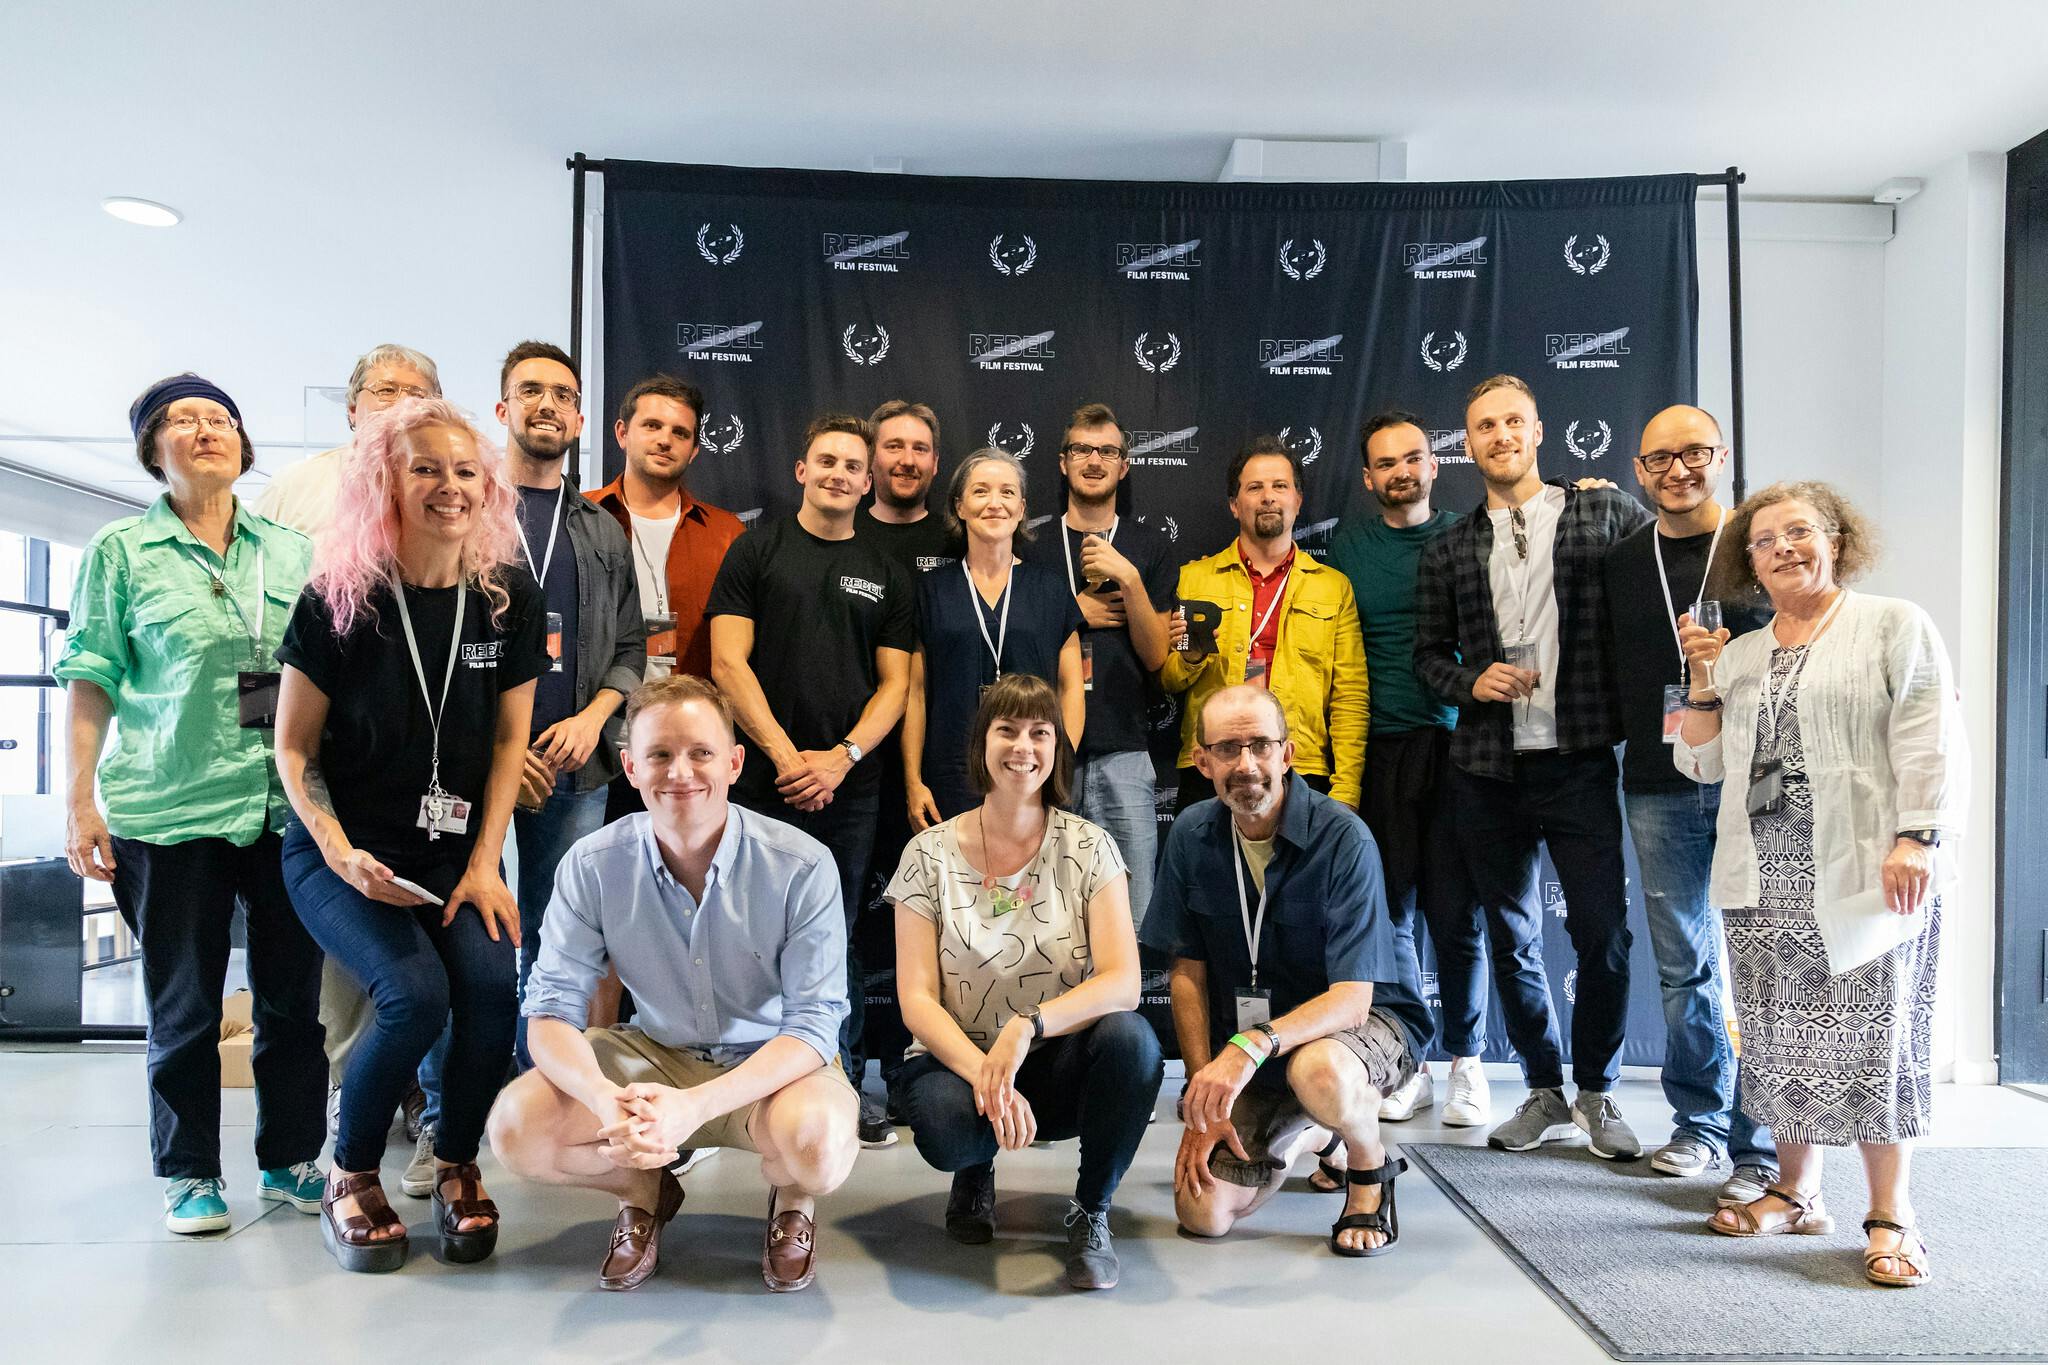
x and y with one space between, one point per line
1570 803
180 901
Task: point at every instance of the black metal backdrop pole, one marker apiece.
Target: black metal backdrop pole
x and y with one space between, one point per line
1735 434
580 167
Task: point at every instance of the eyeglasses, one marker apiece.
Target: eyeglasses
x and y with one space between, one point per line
1229 749
1519 525
1695 457
1078 451
1791 535
391 393
185 426
531 393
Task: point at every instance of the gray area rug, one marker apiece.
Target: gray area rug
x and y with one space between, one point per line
1624 1251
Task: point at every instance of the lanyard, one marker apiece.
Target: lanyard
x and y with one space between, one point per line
222 590
1657 548
995 646
554 529
1528 562
1254 928
1279 595
1775 698
1068 550
419 670
657 576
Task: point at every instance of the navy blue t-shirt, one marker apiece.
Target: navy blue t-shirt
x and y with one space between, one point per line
554 697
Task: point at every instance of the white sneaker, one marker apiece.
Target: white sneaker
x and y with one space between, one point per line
1418 1093
1469 1104
692 1159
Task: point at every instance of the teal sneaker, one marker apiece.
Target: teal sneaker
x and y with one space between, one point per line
301 1186
195 1206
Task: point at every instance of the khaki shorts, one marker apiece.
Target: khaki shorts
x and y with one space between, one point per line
629 1057
1268 1115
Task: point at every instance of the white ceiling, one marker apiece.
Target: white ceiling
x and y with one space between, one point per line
378 171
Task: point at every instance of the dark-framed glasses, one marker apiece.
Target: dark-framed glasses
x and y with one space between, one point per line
1694 457
1075 450
1797 534
1229 749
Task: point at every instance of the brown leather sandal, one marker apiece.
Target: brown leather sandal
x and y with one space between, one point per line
349 1238
1911 1252
459 1246
1805 1217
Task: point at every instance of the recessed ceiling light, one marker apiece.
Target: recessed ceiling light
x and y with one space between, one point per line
141 212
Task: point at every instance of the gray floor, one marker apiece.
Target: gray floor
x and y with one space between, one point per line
87 1272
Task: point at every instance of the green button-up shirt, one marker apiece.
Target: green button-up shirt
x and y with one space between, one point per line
149 630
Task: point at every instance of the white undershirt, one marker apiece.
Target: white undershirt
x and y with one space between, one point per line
651 537
1525 607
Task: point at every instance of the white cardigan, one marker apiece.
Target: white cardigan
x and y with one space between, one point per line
1881 729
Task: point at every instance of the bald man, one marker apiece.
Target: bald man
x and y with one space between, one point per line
1653 576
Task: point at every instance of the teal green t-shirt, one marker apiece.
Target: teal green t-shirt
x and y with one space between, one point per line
1380 561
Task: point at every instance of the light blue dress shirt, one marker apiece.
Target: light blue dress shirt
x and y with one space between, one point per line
762 955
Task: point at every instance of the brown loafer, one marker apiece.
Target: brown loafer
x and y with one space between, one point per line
636 1239
788 1252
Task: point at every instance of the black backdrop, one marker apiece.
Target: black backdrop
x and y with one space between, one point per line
1204 314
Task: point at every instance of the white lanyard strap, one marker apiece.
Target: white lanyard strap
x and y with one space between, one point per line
220 584
1775 698
1657 548
554 528
1068 550
419 669
1254 927
657 574
1279 594
995 646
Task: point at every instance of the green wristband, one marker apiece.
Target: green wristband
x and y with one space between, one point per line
1243 1042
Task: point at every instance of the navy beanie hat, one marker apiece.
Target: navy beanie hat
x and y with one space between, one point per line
165 392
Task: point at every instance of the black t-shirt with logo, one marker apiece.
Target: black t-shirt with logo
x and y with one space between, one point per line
376 751
1122 689
820 608
917 547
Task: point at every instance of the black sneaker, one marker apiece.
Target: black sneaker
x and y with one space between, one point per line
1091 1261
971 1207
875 1129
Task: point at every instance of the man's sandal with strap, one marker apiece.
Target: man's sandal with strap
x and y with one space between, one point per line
349 1238
1911 1252
459 1246
1331 1174
1804 1216
1385 1219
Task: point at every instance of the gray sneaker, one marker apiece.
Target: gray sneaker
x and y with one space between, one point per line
1746 1185
1685 1155
1091 1261
971 1207
1543 1117
418 1180
1608 1134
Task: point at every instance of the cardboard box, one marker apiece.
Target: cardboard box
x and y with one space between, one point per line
237 1042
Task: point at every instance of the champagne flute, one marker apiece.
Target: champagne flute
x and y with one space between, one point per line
1706 614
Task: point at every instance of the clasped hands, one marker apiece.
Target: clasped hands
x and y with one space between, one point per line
642 1126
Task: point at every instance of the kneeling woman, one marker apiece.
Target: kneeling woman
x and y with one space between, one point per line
401 734
1017 972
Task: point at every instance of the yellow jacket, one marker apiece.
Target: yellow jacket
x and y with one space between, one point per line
1318 671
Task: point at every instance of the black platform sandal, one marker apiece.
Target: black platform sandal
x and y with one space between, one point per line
458 1246
1329 1170
349 1238
1385 1219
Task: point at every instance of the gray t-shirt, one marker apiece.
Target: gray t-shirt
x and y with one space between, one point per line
993 966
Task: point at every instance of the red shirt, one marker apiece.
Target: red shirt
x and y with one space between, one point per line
703 533
1266 591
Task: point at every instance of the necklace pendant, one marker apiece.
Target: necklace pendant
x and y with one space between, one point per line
220 589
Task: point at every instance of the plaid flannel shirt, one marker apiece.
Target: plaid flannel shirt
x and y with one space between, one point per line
1457 635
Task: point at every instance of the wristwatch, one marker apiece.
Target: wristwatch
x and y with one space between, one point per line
1926 838
1037 1023
852 750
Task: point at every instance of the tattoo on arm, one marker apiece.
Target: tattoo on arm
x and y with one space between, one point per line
316 790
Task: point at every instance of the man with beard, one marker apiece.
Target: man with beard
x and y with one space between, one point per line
1407 759
1288 624
1511 627
1300 964
1122 575
596 632
1654 577
906 462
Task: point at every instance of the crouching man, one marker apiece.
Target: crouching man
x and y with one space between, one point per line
727 929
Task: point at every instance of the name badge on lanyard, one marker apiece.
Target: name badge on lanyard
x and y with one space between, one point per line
540 574
1002 635
1254 1003
441 811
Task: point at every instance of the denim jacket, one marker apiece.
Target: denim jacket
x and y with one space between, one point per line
611 633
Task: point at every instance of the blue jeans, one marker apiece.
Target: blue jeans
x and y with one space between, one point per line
1115 791
417 972
1674 838
543 836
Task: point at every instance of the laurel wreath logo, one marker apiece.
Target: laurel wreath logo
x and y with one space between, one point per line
1429 355
739 242
1157 366
1571 255
881 336
1295 272
1571 438
1311 450
714 438
995 255
1020 450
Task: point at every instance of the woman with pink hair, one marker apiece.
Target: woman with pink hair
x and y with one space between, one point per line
409 667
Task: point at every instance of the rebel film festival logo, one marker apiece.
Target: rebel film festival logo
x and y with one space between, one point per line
1571 986
1586 350
1012 255
1158 260
720 246
1300 355
1010 351
729 341
722 434
865 345
1307 444
1315 536
1163 449
881 254
1553 898
1303 258
1589 439
1171 529
1587 257
1445 351
1157 352
1444 260
1015 438
1447 444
